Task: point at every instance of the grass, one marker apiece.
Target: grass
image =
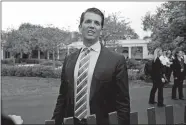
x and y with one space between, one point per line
28 85
12 86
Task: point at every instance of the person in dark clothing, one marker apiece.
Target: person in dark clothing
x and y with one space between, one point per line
178 73
157 78
5 120
94 80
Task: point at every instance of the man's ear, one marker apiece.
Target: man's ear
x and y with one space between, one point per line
80 29
101 32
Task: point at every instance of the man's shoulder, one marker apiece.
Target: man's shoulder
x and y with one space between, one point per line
112 53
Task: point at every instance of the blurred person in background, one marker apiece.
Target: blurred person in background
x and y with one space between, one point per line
157 79
164 60
179 74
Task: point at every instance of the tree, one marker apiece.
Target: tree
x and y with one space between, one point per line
168 26
30 37
115 29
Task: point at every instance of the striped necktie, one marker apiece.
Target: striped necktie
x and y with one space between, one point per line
81 89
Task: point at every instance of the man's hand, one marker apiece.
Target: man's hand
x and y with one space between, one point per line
163 80
175 78
181 70
17 119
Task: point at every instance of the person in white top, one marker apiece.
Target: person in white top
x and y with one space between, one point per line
165 61
184 59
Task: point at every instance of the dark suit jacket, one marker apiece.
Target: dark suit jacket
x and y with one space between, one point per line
5 120
177 69
109 89
157 71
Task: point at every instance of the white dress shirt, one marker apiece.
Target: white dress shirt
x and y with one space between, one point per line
184 57
94 54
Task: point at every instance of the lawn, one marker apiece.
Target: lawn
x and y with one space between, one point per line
28 85
12 86
34 99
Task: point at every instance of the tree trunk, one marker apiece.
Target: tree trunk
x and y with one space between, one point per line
58 53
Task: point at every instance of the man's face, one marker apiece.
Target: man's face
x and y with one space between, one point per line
91 27
180 54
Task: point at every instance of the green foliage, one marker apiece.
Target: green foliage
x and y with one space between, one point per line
168 26
136 70
9 61
132 64
30 61
50 63
31 71
34 37
116 28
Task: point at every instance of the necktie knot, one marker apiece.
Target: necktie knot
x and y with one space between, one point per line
86 50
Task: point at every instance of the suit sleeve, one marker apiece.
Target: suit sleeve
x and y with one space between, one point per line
122 97
59 110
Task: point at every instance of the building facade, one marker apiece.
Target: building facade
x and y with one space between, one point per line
131 48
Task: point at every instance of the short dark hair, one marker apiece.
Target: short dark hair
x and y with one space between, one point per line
93 10
176 52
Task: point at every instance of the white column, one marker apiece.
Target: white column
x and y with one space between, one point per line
38 54
21 55
47 54
145 51
53 55
58 53
68 50
2 53
129 52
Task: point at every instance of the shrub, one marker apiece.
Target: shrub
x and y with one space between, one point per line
9 61
50 63
23 71
132 63
31 71
7 70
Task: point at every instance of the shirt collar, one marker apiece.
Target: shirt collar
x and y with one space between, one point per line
96 47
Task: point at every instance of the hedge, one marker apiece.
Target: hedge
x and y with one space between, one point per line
50 72
10 61
31 71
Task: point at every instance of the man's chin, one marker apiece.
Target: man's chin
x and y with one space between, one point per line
91 39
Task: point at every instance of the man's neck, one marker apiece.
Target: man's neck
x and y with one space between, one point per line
89 43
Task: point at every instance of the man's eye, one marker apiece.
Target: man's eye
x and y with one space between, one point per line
88 21
97 23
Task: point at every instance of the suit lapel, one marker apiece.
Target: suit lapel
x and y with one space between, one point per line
71 67
94 84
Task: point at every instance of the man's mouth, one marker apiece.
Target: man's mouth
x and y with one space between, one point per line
90 32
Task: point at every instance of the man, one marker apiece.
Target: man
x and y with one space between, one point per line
11 120
94 80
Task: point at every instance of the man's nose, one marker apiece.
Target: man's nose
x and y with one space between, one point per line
92 25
